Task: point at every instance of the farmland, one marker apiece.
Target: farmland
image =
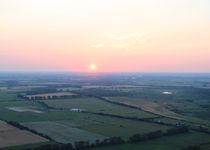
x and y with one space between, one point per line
11 136
172 143
93 109
63 132
97 105
153 107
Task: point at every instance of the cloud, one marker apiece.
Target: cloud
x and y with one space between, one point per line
121 45
120 38
130 41
97 45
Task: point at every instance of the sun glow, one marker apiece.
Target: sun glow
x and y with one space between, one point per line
92 67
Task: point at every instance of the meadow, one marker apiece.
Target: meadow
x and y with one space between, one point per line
91 104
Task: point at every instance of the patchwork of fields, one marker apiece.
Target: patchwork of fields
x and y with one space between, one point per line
63 131
177 142
148 106
97 105
11 136
110 108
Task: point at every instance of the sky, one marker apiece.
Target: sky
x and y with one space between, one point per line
105 35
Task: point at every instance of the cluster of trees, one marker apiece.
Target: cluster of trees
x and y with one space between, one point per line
37 97
174 131
80 145
192 147
103 92
109 141
45 105
144 137
157 134
42 90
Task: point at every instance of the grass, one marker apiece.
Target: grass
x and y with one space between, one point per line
118 127
176 142
5 96
11 115
63 132
97 105
105 126
21 147
185 106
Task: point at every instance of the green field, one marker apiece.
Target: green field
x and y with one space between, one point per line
97 105
63 131
165 107
5 96
106 126
176 142
21 147
187 104
119 127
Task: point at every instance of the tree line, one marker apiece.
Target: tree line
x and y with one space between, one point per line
137 138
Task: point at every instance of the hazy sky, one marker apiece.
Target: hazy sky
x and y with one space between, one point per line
115 35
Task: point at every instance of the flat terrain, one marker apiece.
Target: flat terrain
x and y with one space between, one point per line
97 105
104 126
11 136
148 106
133 104
63 131
176 142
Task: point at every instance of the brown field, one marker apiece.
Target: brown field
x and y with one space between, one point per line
12 136
152 107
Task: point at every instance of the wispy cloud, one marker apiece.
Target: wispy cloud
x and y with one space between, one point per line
120 38
128 42
97 45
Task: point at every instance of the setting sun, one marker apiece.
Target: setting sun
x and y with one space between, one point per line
92 67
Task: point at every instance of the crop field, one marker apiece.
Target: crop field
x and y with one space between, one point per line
63 132
11 136
188 111
166 143
93 126
111 107
97 105
7 96
148 106
111 127
28 116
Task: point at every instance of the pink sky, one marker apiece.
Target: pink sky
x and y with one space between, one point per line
115 35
